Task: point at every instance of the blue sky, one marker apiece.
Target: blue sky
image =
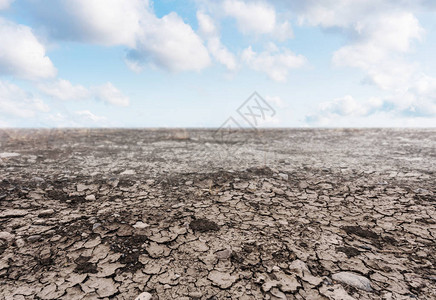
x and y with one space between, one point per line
138 63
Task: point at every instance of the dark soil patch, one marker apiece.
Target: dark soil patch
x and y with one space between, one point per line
130 248
64 197
203 225
359 231
126 183
349 251
261 171
84 266
3 246
389 240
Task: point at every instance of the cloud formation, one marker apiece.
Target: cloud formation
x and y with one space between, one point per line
15 102
166 42
209 32
21 54
275 62
64 90
257 18
4 4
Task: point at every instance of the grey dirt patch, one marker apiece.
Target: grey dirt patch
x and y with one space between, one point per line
163 214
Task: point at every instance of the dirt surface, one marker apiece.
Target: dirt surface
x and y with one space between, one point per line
173 214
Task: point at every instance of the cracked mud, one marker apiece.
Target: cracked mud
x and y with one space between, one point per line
170 214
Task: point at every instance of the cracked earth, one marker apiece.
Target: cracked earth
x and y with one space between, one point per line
173 214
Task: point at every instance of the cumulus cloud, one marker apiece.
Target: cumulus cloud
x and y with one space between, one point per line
209 32
15 102
379 31
257 18
380 34
400 105
274 62
64 90
375 49
21 54
86 115
4 4
110 94
166 42
104 22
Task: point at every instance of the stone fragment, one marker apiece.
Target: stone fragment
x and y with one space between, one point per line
354 280
46 213
13 213
140 225
144 296
224 254
81 187
34 238
90 198
8 154
221 279
128 172
284 176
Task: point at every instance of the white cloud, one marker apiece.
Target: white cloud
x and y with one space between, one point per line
63 90
104 22
257 18
169 43
110 94
209 32
276 101
375 49
206 25
166 42
86 115
21 54
381 33
348 106
274 62
15 102
407 105
4 4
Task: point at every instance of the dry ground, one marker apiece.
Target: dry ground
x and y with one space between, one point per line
275 214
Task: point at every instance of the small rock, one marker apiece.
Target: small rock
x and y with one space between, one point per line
284 176
140 225
90 198
95 226
20 243
144 296
354 280
224 254
33 238
46 213
128 172
8 154
81 187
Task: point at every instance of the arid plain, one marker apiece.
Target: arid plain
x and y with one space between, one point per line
196 214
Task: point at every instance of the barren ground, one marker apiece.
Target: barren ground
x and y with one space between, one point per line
276 214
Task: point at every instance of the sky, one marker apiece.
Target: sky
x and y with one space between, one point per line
144 63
